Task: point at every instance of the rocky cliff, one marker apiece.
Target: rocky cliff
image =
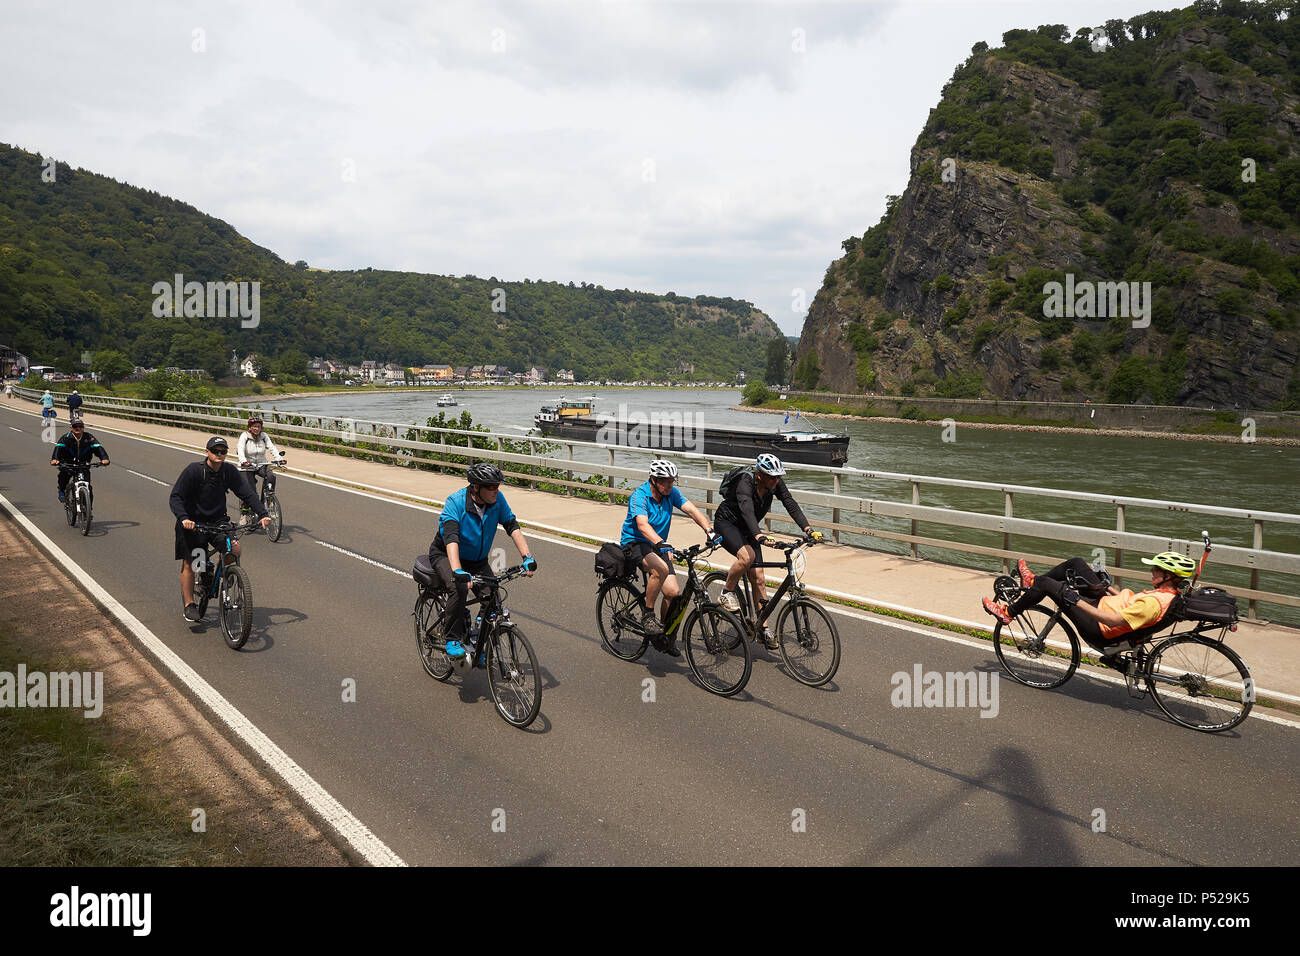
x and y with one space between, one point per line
1112 214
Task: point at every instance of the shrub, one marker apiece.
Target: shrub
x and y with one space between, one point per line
755 393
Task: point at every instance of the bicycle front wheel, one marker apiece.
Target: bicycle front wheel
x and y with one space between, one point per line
717 651
272 504
618 611
70 506
235 606
809 641
514 676
431 647
83 509
1024 653
1200 684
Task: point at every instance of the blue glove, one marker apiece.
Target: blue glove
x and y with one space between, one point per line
529 563
664 548
462 573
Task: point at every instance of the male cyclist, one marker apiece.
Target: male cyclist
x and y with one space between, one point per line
645 541
200 495
736 520
466 530
75 448
255 450
1102 623
74 405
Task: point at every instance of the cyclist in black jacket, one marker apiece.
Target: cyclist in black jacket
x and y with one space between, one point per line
737 518
200 495
75 448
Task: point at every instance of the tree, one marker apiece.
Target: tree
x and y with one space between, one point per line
777 362
198 348
292 362
111 366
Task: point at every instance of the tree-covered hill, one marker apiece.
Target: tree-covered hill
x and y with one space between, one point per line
79 257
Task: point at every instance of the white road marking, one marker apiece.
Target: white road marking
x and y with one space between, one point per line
12 429
147 478
369 846
362 557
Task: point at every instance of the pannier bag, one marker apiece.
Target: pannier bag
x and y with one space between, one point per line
1213 605
610 562
424 574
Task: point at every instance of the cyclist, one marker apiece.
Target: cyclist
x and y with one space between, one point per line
645 541
200 495
749 499
47 405
466 530
75 448
74 405
256 449
1102 622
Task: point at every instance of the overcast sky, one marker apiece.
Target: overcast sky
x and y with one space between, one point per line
721 148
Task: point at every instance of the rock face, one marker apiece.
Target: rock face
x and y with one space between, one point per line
1038 164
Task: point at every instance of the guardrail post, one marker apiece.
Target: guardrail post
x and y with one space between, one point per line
916 500
609 495
1006 535
1258 545
835 514
708 472
569 490
1119 526
532 453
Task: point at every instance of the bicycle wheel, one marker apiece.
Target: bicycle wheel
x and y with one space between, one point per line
235 606
83 509
70 505
712 584
809 641
513 676
203 592
1200 684
431 647
618 615
1024 653
716 650
272 504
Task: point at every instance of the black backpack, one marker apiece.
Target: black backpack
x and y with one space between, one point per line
610 561
730 480
1211 605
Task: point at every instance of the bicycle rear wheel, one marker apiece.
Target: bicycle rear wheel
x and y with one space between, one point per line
809 642
83 509
272 504
1200 684
1024 653
618 613
717 651
235 606
432 648
514 676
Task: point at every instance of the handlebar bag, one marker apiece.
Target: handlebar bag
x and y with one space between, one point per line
610 561
1213 605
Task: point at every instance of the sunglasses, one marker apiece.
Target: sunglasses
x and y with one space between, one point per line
221 453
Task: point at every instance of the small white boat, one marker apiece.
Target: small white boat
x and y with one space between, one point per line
446 401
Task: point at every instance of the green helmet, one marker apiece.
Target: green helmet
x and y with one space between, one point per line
1174 563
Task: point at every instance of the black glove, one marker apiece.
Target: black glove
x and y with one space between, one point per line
664 548
1068 597
530 564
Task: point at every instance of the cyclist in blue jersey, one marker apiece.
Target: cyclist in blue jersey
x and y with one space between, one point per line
645 538
466 530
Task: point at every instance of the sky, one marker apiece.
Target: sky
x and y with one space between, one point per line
722 148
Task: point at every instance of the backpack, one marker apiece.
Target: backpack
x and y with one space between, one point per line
1212 605
610 561
730 480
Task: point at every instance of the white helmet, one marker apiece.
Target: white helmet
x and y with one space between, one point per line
662 468
770 465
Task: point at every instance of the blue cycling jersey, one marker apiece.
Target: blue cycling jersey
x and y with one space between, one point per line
659 513
476 534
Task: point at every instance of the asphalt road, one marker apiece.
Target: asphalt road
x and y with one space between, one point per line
603 777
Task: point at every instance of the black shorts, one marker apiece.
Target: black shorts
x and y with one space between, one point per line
638 549
187 542
734 538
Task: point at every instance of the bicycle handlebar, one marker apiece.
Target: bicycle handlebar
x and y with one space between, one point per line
63 465
493 580
229 528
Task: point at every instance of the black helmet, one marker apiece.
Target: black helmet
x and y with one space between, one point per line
484 473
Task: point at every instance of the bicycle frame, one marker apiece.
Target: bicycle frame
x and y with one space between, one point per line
492 610
691 596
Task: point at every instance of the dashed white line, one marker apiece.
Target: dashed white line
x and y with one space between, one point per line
12 429
147 478
362 557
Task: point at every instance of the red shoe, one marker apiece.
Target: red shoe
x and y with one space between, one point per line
997 610
1026 576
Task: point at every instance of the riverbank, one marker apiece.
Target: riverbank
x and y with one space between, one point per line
1024 426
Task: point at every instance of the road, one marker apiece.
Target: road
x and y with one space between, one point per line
781 774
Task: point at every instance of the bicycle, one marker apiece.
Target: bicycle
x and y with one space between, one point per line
229 584
514 676
807 638
716 649
269 499
1189 675
79 495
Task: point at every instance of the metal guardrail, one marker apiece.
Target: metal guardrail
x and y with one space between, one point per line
454 443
